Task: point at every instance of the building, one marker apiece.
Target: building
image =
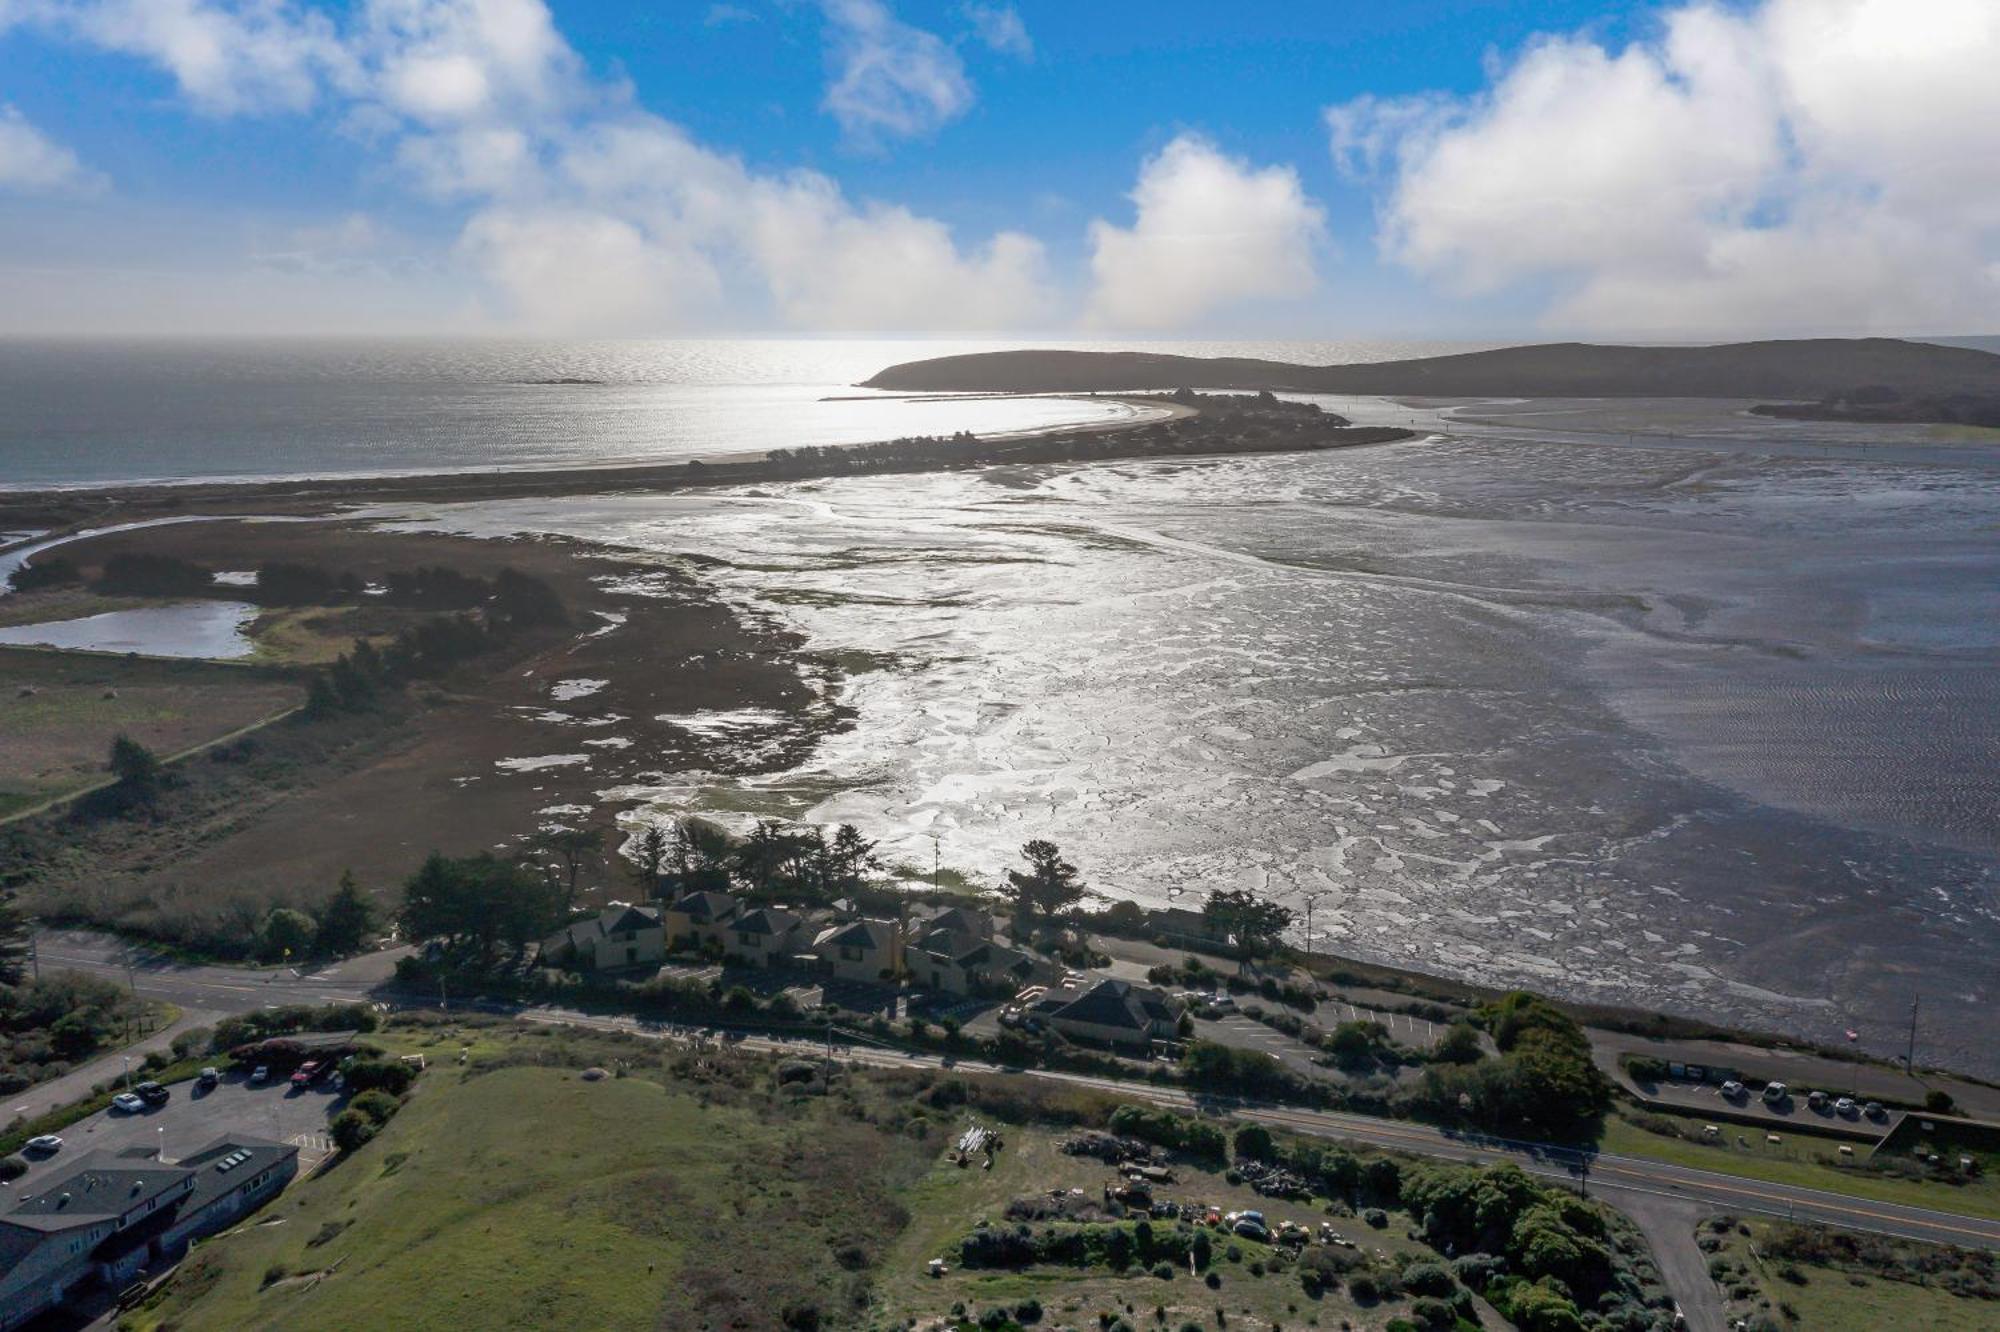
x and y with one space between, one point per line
960 962
962 920
113 1215
861 950
1183 928
1113 1012
701 919
767 936
618 936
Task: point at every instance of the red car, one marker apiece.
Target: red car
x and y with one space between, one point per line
309 1072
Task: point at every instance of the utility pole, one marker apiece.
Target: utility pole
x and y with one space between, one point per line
1311 900
1910 1056
937 862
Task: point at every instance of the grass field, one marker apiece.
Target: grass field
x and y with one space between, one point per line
59 712
694 1191
1801 1159
1827 1298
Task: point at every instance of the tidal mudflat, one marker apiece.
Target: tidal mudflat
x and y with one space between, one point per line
1694 719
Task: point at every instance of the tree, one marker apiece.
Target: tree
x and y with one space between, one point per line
322 700
351 1130
1252 922
650 858
562 853
345 920
15 941
1050 884
136 767
480 902
287 933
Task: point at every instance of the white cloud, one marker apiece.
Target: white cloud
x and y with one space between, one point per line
227 58
32 163
1798 166
1211 232
891 80
1000 27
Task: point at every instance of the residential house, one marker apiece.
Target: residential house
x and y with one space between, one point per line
767 936
618 936
960 962
962 920
112 1215
1113 1012
701 919
861 950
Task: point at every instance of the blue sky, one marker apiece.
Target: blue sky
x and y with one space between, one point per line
1424 168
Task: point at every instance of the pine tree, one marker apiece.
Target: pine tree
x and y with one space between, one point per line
15 942
345 920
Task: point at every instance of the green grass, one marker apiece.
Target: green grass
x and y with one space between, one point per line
1802 1160
692 1193
1824 1298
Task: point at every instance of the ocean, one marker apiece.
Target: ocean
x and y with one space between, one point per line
97 412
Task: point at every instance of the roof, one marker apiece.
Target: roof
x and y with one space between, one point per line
224 1164
876 934
100 1186
767 920
618 919
1114 1003
707 905
963 920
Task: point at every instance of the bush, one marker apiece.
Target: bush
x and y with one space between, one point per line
379 1106
1376 1217
352 1129
389 1075
1164 1271
192 1041
1255 1142
1426 1278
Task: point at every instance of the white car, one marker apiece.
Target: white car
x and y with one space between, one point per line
1775 1092
1732 1089
47 1142
260 1074
1844 1106
128 1103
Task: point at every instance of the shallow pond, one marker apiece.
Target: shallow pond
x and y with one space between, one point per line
192 629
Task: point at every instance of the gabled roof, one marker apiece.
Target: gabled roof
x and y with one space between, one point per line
619 919
963 920
767 920
708 906
1117 1003
874 934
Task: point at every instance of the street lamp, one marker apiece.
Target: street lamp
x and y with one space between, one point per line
128 1072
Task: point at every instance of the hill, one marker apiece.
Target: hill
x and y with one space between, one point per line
1807 369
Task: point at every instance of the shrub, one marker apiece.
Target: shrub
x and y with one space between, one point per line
1164 1271
1255 1142
351 1130
1364 1289
1425 1278
390 1075
1376 1217
379 1106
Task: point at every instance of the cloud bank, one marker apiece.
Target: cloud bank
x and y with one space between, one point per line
32 163
1211 232
1799 166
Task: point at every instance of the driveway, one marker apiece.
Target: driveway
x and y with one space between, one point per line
191 1120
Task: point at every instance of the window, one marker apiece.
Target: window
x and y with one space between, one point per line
746 938
631 955
849 953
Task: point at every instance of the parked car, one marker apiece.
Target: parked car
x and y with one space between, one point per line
1874 1110
1732 1089
128 1103
44 1142
1222 1003
1775 1092
309 1072
207 1079
1250 1230
260 1075
1845 1107
1817 1100
152 1093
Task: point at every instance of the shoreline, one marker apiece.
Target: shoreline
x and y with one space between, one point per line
1200 427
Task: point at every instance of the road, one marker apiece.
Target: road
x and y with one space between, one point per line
1659 1196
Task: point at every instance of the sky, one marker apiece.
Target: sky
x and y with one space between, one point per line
1165 168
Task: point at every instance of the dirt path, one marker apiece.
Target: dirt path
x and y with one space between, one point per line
1669 1224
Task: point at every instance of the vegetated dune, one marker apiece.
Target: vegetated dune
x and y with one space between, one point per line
1798 369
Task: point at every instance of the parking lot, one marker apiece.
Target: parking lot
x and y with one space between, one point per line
192 1119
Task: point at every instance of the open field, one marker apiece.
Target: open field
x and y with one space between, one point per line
696 1190
1888 1290
1801 1159
59 712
